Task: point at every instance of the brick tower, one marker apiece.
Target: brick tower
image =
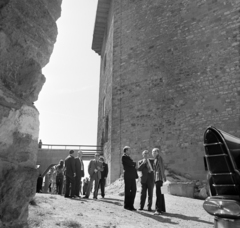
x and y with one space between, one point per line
169 69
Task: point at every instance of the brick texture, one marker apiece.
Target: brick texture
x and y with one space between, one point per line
169 69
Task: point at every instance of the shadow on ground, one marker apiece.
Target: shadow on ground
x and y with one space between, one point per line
158 218
184 217
113 201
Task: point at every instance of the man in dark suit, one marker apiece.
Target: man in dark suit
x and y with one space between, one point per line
79 172
70 174
104 174
145 166
130 176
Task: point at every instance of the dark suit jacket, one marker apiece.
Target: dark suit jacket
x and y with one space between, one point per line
129 170
104 173
145 174
79 172
70 166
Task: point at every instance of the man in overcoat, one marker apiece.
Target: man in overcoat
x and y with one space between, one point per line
94 171
159 176
70 174
130 176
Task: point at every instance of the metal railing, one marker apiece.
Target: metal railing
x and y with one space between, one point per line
84 148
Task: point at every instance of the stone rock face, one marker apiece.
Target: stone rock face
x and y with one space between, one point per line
28 32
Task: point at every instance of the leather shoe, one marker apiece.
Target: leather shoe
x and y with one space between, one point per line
140 209
157 213
149 209
132 209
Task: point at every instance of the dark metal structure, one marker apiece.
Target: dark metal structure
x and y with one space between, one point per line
222 156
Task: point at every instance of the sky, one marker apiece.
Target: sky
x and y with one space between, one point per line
68 102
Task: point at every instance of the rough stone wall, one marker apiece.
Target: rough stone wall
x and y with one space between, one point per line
175 71
27 34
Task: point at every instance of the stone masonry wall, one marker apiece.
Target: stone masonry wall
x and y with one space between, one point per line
27 35
175 72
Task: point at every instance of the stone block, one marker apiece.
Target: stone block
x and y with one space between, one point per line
185 189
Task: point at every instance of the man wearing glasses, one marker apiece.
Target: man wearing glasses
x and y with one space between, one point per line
94 170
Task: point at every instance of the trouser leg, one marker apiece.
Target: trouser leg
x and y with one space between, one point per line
72 186
103 183
89 187
160 201
150 194
77 186
143 195
60 187
127 191
96 187
67 186
133 192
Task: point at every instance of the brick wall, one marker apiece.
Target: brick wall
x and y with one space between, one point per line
105 94
175 71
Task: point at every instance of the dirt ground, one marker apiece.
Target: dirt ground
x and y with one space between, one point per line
57 211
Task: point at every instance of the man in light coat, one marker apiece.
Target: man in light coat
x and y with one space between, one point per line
145 166
159 179
94 171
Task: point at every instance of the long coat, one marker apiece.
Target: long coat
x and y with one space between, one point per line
70 166
104 173
158 168
129 170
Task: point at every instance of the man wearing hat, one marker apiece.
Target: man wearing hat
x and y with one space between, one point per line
94 170
70 174
130 176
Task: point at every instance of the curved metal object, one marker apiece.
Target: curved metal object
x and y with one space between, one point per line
222 155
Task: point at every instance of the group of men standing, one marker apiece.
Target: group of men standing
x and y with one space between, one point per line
151 172
74 172
97 169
